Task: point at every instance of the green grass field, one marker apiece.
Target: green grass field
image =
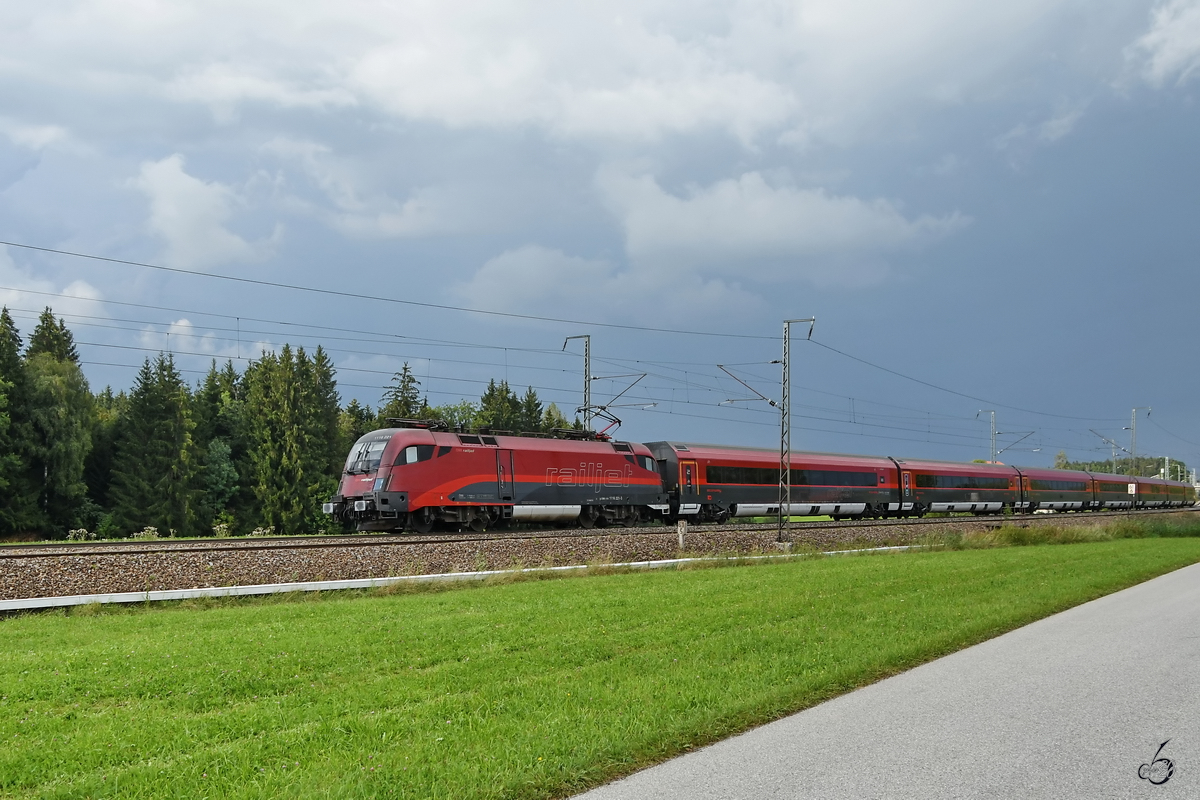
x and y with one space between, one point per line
529 689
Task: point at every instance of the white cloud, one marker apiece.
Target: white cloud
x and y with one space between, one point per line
32 136
747 226
360 210
1046 132
1170 50
181 336
20 290
541 280
191 214
1060 125
224 85
617 69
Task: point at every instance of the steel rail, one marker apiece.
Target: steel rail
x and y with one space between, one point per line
60 549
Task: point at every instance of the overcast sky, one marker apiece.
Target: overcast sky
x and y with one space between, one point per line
997 202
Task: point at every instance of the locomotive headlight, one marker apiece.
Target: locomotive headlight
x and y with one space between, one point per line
378 485
360 505
327 508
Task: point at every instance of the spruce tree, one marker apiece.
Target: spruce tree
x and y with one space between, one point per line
154 474
279 440
326 412
499 408
52 337
60 408
403 399
108 411
19 511
531 412
222 441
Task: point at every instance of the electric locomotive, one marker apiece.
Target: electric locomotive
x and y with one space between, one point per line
421 474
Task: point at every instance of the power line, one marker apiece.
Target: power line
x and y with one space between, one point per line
355 296
384 337
960 394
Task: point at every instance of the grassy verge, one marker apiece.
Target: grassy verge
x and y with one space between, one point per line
532 689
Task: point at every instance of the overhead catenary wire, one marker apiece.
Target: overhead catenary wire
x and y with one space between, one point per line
954 392
384 336
691 380
378 298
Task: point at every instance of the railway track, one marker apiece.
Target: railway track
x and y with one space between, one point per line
50 549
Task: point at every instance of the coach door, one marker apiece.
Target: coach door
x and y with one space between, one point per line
908 487
505 481
687 478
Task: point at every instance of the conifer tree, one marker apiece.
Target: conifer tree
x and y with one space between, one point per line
280 441
403 399
530 413
60 407
499 408
19 512
220 484
222 440
52 337
108 411
155 465
326 412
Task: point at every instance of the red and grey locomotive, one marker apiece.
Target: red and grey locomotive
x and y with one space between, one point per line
418 476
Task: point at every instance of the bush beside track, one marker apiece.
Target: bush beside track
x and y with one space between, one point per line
88 573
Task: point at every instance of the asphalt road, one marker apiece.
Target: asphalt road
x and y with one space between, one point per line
1068 707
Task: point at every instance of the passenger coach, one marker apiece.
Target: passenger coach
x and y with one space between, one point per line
711 483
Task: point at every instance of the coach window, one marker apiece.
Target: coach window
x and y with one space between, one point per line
414 453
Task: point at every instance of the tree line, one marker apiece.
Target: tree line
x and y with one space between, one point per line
256 451
1144 466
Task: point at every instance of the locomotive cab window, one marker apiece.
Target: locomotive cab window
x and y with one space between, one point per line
414 453
366 456
647 462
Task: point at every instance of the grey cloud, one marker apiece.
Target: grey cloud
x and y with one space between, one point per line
532 278
191 215
780 231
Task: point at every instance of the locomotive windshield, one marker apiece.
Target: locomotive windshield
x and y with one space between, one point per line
365 456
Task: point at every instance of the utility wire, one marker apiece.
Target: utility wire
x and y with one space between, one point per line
355 296
960 394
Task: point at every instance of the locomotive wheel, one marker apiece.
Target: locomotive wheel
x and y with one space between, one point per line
422 521
587 517
631 519
478 524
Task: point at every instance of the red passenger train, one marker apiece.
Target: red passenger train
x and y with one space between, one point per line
421 474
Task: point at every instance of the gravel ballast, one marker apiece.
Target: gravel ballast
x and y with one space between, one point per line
23 575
